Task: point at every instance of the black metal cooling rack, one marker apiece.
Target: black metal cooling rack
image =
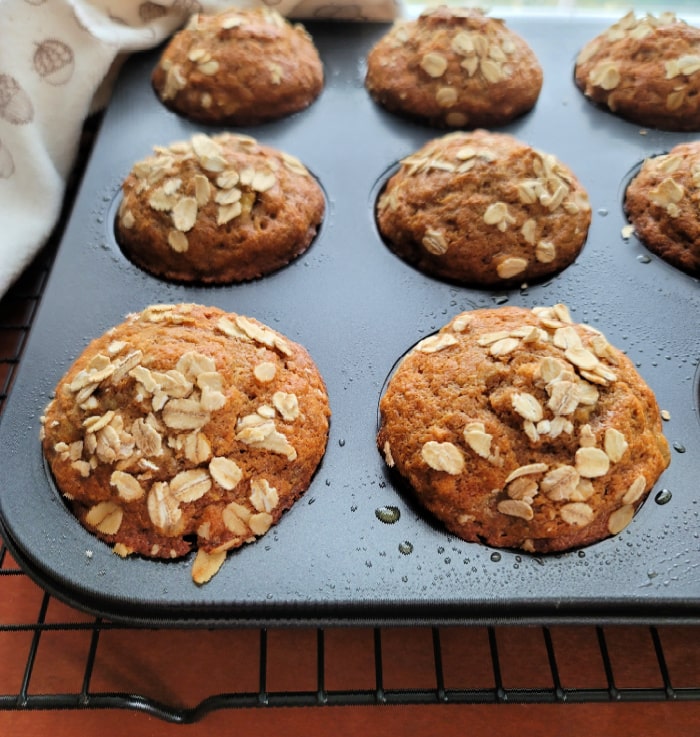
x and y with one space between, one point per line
431 652
305 666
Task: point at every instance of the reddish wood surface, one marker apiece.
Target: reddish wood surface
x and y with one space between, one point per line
585 720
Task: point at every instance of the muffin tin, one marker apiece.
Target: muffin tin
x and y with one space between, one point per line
355 548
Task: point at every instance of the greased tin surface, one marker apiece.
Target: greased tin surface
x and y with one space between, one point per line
355 548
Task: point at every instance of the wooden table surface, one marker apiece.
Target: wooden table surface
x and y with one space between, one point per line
64 673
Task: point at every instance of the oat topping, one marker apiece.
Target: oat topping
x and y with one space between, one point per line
577 514
233 191
545 252
434 64
265 371
435 343
526 470
607 70
567 383
446 96
177 240
527 406
443 457
523 488
206 565
478 439
560 483
209 67
257 432
211 42
188 486
127 486
435 242
461 322
484 54
511 266
615 444
150 425
497 214
387 455
620 518
105 517
685 65
516 508
605 75
287 405
521 227
676 98
667 195
263 496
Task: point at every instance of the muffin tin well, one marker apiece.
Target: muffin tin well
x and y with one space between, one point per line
338 555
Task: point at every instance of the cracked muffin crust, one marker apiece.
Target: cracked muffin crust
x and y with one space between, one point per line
186 427
663 204
217 209
454 68
484 209
239 67
646 70
521 429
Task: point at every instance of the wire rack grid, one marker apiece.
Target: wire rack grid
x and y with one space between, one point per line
55 657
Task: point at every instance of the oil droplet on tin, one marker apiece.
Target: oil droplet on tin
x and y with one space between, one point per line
602 212
679 447
663 496
341 443
495 557
405 547
581 553
644 259
388 514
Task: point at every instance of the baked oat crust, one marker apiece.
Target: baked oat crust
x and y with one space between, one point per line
186 427
217 209
663 204
519 428
454 68
645 69
239 67
484 209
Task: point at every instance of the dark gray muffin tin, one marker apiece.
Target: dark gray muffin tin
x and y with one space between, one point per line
356 548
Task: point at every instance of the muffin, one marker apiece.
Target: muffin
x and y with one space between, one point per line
217 209
484 209
663 204
239 67
454 68
521 429
646 70
186 427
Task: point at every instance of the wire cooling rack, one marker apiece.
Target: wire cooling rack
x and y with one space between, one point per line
55 657
58 658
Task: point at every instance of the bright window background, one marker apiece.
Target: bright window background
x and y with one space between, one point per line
686 9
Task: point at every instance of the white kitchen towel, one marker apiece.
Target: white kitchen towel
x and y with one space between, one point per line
55 62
